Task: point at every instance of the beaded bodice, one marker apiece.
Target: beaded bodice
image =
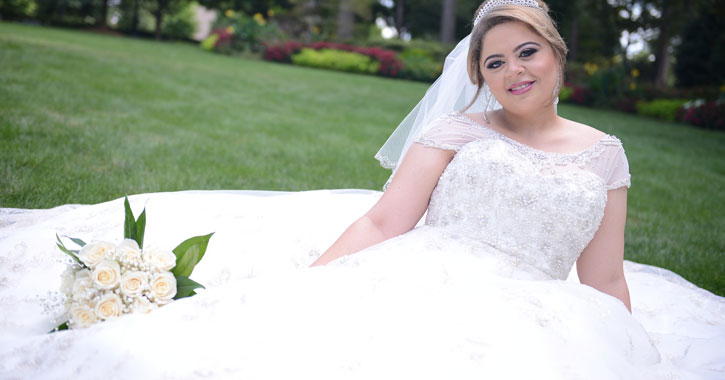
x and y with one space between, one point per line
541 208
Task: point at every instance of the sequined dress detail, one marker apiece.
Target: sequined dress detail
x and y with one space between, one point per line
540 208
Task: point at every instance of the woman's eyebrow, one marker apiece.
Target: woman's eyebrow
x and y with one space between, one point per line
515 49
526 43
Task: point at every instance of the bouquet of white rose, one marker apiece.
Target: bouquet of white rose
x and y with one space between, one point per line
105 280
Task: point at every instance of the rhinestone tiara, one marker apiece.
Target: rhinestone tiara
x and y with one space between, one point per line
497 3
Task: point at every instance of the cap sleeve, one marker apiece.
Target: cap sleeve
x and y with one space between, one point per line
449 132
617 171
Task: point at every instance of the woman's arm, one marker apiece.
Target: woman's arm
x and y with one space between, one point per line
600 265
401 206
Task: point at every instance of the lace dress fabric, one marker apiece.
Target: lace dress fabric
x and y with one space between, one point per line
541 208
480 289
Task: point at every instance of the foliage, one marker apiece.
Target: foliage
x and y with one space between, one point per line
72 13
180 24
700 57
389 64
336 60
237 32
138 11
660 108
282 52
209 42
705 114
15 9
434 49
418 64
565 93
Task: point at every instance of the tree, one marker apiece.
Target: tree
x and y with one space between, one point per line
700 57
661 20
345 20
589 28
448 22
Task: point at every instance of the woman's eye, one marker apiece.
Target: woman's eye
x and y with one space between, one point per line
527 52
494 65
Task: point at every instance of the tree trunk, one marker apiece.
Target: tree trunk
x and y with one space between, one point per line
399 12
662 47
134 19
160 17
448 22
104 14
345 20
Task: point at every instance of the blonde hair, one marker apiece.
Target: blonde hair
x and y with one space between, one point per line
538 20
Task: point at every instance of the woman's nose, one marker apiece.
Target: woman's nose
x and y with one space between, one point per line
513 69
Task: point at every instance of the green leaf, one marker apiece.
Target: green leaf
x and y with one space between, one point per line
140 228
189 253
70 253
77 241
60 327
129 225
185 287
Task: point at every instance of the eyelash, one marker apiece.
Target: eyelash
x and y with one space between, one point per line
524 54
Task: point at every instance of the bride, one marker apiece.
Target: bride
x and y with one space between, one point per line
511 197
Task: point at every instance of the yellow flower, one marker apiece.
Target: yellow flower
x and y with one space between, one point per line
270 13
591 68
635 73
315 30
229 13
259 19
230 29
632 86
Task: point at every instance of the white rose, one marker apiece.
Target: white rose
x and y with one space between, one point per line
163 287
133 283
81 315
94 253
161 259
107 274
83 287
128 251
109 306
143 305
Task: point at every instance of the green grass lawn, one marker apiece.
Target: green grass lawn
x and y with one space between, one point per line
87 118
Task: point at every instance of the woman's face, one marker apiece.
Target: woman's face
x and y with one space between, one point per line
519 67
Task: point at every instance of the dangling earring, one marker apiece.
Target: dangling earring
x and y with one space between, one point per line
488 102
556 91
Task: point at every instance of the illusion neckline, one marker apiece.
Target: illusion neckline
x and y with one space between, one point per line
535 150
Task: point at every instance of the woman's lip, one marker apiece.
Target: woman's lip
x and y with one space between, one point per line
526 88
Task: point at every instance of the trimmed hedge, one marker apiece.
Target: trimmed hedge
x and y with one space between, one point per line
660 108
336 60
389 64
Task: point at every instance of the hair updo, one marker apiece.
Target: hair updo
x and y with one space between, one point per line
538 20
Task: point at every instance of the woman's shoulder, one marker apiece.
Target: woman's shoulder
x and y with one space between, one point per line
450 131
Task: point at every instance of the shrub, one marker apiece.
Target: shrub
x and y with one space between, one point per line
565 93
660 108
336 60
282 52
239 33
580 95
180 24
705 114
421 68
388 63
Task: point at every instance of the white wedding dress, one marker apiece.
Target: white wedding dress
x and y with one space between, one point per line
481 289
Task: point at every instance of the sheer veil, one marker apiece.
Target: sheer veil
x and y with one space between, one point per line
452 91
